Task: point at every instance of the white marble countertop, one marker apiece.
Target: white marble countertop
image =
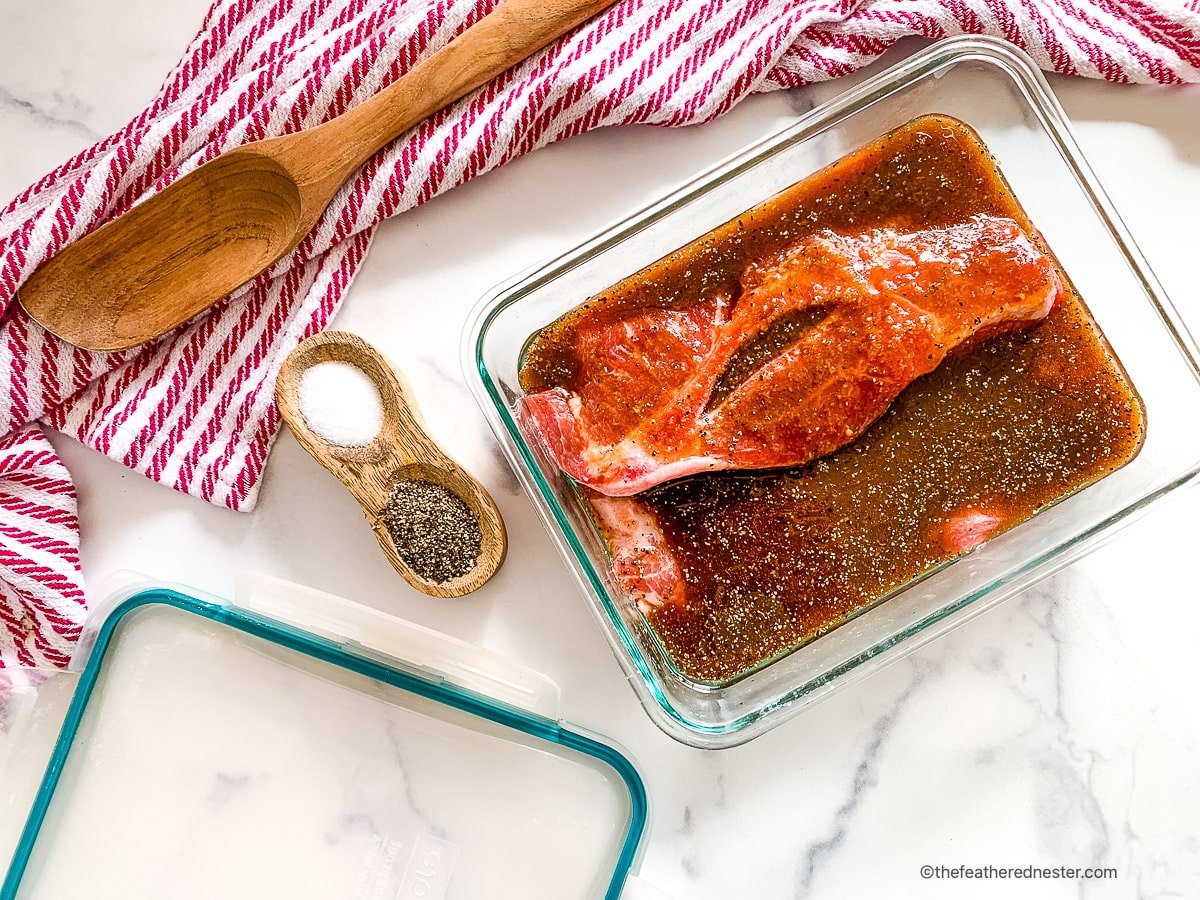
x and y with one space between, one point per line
1058 729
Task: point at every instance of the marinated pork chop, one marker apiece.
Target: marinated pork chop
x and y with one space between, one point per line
821 340
642 562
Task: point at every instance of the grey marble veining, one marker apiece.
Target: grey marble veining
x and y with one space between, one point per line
61 113
866 778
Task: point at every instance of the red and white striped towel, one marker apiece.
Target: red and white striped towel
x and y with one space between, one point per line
194 411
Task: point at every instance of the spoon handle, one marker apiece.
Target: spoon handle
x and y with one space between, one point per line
512 32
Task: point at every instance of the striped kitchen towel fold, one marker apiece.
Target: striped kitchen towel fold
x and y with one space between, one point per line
194 410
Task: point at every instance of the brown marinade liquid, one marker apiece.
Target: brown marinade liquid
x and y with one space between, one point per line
774 559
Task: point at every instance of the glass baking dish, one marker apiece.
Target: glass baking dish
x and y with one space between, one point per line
998 91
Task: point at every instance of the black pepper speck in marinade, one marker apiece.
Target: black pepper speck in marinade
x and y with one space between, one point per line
774 559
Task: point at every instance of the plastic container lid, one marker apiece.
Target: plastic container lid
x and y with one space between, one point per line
298 745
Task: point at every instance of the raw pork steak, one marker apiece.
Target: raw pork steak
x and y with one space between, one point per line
821 340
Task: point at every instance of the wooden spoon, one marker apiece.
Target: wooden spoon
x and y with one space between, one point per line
400 452
183 249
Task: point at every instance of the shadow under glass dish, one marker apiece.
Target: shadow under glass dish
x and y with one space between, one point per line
997 92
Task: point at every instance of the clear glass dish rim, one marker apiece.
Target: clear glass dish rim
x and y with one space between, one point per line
927 61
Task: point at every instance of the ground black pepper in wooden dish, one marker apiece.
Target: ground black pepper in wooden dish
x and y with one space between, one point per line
434 531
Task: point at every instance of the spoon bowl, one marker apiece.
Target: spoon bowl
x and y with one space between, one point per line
244 214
